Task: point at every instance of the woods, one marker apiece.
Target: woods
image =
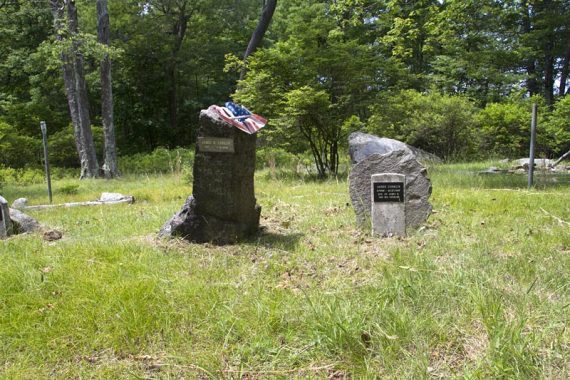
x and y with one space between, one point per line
449 77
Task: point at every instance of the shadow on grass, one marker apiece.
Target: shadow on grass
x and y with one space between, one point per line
273 239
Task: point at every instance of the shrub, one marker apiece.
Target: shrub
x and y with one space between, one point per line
440 124
505 129
556 129
161 160
18 150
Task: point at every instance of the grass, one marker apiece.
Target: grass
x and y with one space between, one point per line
481 292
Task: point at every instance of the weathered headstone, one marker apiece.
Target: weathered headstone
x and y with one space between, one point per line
417 187
222 208
388 196
5 221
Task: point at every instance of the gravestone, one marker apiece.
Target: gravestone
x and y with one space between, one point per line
417 188
388 204
222 208
5 221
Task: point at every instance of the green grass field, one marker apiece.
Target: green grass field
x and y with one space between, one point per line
483 291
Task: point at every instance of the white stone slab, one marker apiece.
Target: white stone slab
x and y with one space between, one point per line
388 200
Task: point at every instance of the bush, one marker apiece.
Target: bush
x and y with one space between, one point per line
161 160
440 124
505 129
556 129
18 150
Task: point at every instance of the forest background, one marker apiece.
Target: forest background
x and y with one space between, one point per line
456 78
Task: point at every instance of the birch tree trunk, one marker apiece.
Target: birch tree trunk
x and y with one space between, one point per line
89 164
257 36
110 169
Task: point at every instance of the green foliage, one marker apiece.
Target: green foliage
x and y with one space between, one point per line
18 150
161 160
505 129
557 128
440 124
479 293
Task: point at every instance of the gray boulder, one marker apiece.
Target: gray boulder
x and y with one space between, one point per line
23 223
20 203
362 145
417 191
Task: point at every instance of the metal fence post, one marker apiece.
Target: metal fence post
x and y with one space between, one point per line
46 160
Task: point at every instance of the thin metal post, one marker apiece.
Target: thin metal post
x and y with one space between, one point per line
532 146
46 160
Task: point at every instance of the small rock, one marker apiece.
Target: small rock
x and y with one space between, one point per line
115 197
20 203
52 235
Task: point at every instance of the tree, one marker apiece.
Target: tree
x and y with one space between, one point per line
257 36
75 85
314 84
110 168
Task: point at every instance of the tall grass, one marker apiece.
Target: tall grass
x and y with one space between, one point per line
482 291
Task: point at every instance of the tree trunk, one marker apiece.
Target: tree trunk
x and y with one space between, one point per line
57 9
110 169
88 157
259 32
179 32
549 73
565 71
532 83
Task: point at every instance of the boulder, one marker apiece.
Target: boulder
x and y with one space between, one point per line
23 223
538 163
362 145
222 208
417 188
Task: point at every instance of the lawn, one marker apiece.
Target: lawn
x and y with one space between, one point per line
482 291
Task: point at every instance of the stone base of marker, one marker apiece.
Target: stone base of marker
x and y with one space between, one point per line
388 212
222 208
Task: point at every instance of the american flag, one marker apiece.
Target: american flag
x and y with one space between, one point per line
240 117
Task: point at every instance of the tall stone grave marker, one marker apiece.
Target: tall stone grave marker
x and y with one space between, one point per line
5 221
388 196
222 208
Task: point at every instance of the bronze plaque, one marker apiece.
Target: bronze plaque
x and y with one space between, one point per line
215 145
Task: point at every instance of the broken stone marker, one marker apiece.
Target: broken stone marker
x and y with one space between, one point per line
5 221
222 208
388 196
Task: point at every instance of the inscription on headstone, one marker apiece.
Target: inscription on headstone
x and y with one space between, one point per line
216 145
389 207
388 192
